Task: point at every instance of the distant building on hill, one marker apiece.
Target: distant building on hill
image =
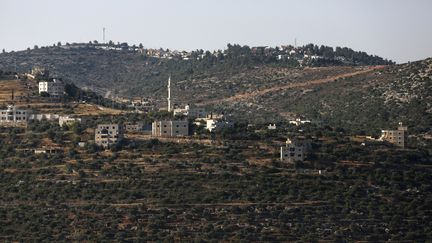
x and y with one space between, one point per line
396 137
108 134
299 121
217 124
190 112
13 115
67 120
170 128
294 150
213 122
134 127
38 74
42 117
271 126
53 87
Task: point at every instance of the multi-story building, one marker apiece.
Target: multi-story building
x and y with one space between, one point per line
108 134
294 150
12 115
53 87
170 128
396 137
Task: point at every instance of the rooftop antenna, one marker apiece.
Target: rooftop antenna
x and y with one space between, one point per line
295 42
103 35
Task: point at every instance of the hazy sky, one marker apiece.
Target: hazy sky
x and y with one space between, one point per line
400 30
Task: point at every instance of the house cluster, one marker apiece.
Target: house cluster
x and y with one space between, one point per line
38 73
52 87
140 104
14 116
283 52
297 148
214 122
190 112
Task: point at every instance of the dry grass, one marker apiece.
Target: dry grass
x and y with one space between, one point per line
19 88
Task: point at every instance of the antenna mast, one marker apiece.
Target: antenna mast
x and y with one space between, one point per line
103 35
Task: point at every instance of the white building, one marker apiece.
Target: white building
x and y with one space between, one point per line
217 124
271 127
190 112
47 117
299 121
67 120
13 115
170 128
54 87
294 150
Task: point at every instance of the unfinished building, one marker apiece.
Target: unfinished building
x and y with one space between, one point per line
396 137
108 134
294 150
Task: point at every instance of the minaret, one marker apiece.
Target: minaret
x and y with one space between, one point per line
169 93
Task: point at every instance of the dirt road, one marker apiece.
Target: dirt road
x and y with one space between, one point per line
306 84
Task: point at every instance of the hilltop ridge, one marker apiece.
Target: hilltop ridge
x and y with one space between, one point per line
248 83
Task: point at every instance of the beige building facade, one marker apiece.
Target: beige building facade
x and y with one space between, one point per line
170 128
396 137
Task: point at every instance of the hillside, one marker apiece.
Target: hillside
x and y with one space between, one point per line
229 185
360 95
121 69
